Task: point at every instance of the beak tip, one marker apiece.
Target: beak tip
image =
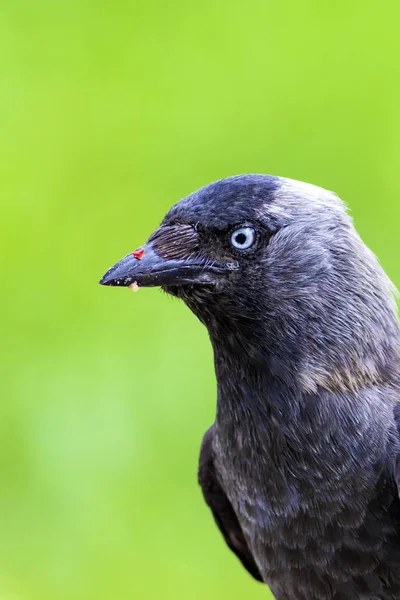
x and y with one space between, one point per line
106 279
119 275
109 279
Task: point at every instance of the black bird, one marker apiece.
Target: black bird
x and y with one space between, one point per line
300 468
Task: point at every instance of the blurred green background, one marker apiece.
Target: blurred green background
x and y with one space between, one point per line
109 113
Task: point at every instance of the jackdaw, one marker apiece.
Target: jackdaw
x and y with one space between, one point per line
300 468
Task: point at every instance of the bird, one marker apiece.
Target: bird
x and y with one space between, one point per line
301 467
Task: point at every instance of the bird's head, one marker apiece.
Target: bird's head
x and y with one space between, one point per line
276 271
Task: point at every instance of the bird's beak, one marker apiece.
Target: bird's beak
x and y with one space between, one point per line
148 267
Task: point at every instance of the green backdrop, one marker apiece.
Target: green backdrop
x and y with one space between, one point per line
109 113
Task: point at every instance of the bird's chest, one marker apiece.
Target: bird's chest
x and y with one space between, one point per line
304 515
281 499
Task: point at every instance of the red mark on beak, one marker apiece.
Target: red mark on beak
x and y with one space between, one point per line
138 254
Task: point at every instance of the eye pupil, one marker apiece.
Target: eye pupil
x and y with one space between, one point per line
241 239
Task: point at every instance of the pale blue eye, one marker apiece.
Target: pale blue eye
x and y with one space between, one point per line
243 238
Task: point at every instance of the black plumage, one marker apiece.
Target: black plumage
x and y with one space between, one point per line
300 468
